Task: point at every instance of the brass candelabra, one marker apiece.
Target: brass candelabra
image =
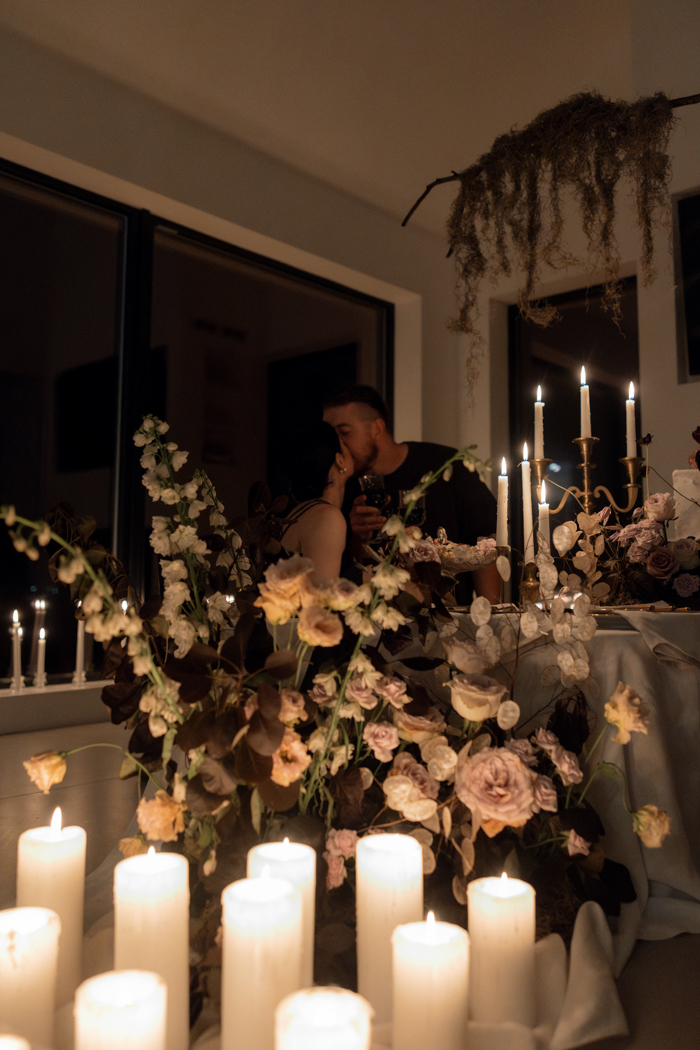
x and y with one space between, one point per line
587 494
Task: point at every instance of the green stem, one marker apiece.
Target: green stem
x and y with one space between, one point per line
127 754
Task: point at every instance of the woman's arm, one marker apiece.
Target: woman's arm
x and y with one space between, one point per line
322 537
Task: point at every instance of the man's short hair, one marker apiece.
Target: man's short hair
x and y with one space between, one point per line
361 395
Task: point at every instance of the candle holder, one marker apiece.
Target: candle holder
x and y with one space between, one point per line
631 465
529 584
540 467
587 495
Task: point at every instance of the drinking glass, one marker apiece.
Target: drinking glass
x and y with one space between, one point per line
417 515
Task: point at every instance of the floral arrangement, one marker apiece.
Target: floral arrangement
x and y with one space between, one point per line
264 700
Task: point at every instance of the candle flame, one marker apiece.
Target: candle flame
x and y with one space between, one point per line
583 375
286 842
15 617
539 393
631 392
55 825
525 452
430 919
503 467
151 851
42 633
504 877
544 493
124 605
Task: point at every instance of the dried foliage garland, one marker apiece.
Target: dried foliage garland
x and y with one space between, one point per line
509 207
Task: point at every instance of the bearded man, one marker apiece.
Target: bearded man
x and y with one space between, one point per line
463 506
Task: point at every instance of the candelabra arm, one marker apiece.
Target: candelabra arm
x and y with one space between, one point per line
571 491
632 491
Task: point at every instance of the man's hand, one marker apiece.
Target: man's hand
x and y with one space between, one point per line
365 521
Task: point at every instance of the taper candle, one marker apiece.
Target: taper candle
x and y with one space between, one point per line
40 676
585 406
502 507
120 1009
631 424
539 425
297 863
389 892
151 929
17 679
79 676
528 534
28 958
543 517
431 985
502 933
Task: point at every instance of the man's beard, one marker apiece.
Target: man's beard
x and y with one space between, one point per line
365 465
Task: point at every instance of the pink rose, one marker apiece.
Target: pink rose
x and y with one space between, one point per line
575 844
546 795
686 584
382 738
358 690
337 872
636 553
523 749
392 689
660 507
661 564
406 766
546 740
342 842
425 550
497 784
567 765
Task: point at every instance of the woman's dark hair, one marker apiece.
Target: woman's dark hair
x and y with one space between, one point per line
309 460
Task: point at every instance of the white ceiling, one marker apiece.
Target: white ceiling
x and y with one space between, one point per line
377 97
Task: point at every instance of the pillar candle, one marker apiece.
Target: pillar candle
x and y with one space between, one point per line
528 535
51 874
13 1042
262 924
389 892
502 508
631 424
539 425
40 676
543 518
120 1009
296 863
79 676
323 1019
28 958
585 406
502 933
17 680
151 929
431 985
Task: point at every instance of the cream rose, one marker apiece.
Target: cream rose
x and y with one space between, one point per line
418 728
628 712
475 696
661 506
466 657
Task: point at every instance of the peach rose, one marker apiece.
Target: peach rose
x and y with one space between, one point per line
46 769
292 708
652 825
161 818
317 626
289 760
628 712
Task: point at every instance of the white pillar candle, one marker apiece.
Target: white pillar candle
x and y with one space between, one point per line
262 927
502 933
119 1010
502 507
431 985
28 958
51 874
151 930
13 1042
631 424
543 516
297 863
389 892
585 406
539 425
323 1019
79 676
40 676
17 680
528 534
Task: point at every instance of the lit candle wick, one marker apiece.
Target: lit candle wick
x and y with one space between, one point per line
539 393
430 919
504 876
631 391
583 375
525 452
55 825
15 617
543 499
503 467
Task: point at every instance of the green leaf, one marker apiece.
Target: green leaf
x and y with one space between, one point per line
128 768
256 810
168 742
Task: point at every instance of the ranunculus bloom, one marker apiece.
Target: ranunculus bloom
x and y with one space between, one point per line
686 584
661 563
497 784
417 728
46 769
161 818
292 707
342 842
575 844
289 760
660 507
382 739
317 626
628 712
475 696
652 825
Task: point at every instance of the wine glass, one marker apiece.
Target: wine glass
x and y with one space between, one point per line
417 514
372 486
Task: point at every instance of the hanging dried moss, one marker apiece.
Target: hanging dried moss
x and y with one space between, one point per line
509 207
